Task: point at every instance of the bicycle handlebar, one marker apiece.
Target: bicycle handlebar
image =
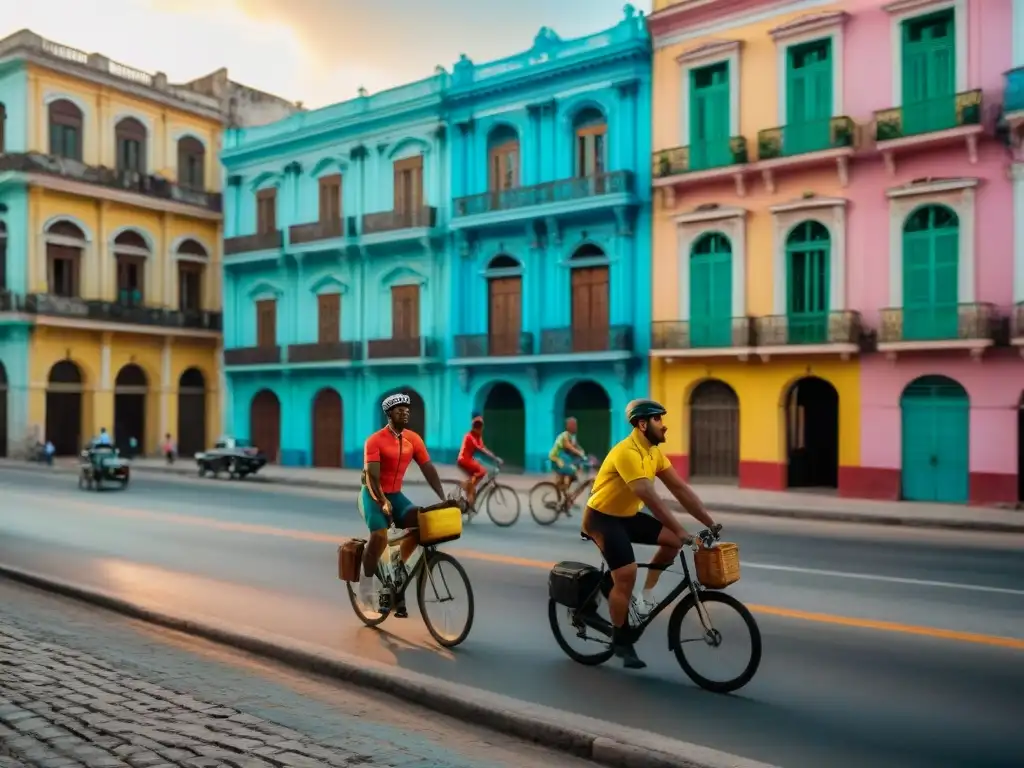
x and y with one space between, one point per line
705 538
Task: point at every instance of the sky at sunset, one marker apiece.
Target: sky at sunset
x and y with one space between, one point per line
316 51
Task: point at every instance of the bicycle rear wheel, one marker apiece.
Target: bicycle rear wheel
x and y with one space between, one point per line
545 502
704 632
502 505
442 575
597 646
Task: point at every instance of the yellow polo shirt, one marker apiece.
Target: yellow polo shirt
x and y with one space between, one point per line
627 462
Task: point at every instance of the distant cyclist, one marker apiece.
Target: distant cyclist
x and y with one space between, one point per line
472 444
623 486
566 456
386 456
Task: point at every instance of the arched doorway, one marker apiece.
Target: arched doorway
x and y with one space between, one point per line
265 424
714 432
130 389
812 434
936 417
505 424
191 437
417 411
328 419
64 408
3 411
592 408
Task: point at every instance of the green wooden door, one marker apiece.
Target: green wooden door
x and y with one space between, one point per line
929 74
931 259
709 117
505 425
808 251
592 407
936 446
711 292
808 97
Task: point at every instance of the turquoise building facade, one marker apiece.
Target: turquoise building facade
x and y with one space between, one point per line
336 284
14 228
550 222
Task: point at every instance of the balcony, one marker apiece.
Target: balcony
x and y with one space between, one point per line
493 345
564 194
424 217
813 333
575 341
1017 327
261 241
715 337
940 327
1013 102
325 352
9 301
252 356
806 145
936 122
58 172
115 312
321 231
417 347
700 163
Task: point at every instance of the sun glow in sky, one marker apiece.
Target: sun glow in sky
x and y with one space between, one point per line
315 51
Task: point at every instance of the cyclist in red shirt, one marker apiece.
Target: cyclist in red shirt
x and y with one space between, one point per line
386 456
471 443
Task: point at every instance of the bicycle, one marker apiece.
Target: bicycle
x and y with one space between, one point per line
548 501
493 496
588 586
422 572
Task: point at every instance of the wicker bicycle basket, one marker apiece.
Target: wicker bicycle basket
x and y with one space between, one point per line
718 567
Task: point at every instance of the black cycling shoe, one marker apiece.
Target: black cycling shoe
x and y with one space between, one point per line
625 651
400 611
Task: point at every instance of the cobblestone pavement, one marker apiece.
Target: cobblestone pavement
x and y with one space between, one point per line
83 687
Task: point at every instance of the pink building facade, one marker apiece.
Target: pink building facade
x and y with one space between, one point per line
935 258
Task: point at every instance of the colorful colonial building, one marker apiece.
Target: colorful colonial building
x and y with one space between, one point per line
551 186
833 250
336 282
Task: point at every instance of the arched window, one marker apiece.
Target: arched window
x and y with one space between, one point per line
65 130
931 267
503 158
192 260
711 291
807 302
130 136
131 253
191 163
591 132
65 246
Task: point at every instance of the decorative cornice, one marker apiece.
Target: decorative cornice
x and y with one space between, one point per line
931 187
293 167
900 7
357 153
382 147
715 49
627 87
804 25
809 204
710 213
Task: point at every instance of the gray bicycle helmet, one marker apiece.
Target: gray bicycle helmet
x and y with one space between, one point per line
643 409
393 401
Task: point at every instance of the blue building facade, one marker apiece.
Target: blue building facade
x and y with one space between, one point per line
336 285
15 329
550 153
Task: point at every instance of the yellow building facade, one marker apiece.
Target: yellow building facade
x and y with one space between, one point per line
752 338
120 189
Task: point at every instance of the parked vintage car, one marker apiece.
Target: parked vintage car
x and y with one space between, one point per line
102 464
235 457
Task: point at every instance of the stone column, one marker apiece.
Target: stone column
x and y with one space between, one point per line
166 391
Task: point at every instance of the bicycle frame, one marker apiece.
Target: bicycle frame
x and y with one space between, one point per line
418 571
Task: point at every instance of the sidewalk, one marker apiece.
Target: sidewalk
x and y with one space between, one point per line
719 498
80 686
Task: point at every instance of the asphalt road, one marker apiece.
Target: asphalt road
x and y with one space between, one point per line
881 645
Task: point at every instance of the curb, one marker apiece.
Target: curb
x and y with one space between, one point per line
813 515
604 743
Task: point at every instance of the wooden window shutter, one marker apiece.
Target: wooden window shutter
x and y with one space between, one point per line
266 323
330 197
328 318
266 210
405 312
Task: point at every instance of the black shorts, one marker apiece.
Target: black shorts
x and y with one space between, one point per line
621 533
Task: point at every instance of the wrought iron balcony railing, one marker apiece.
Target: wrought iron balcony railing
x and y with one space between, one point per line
931 116
325 352
252 356
804 138
393 221
939 322
261 241
415 347
565 341
315 231
116 312
563 190
1013 95
1017 322
722 333
810 328
704 156
494 345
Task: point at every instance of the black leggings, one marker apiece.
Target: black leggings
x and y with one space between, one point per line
619 534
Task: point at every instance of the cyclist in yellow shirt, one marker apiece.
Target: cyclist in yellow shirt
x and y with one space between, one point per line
623 486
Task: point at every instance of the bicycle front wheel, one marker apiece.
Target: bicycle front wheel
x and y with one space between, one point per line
717 628
502 505
439 594
545 502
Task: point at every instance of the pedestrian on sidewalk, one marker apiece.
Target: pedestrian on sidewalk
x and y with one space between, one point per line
167 448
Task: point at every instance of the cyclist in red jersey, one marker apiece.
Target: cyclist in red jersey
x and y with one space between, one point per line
386 456
471 444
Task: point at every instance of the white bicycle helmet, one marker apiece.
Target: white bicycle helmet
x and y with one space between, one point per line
393 401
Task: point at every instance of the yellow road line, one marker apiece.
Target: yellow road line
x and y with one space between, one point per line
523 562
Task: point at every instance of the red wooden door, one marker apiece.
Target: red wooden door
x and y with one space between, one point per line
265 424
327 429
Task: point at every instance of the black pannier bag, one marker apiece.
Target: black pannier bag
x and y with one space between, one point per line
571 583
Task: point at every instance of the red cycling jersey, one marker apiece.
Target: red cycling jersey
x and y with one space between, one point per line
471 443
394 452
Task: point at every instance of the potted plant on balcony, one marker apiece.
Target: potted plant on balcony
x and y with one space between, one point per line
888 129
664 165
842 134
